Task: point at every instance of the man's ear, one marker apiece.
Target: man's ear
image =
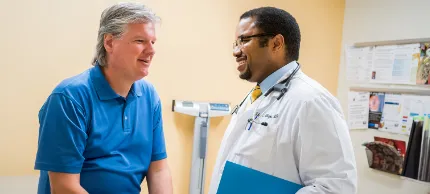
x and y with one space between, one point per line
278 43
108 39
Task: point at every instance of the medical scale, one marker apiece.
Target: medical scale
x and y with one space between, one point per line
202 111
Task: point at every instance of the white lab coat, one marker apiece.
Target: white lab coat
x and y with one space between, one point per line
306 141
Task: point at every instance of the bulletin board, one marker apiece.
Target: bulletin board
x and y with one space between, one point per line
389 91
389 84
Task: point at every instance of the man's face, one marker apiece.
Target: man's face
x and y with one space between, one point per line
252 59
374 103
132 53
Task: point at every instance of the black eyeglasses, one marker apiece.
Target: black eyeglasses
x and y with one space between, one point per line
240 39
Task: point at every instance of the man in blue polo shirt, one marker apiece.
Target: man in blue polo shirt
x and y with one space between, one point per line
101 131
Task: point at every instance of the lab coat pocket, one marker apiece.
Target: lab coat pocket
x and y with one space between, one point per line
258 147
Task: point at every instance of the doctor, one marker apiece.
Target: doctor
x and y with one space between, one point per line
300 135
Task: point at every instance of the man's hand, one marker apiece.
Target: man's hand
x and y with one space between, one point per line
159 178
65 183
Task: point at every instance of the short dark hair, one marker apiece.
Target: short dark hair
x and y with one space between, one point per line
277 21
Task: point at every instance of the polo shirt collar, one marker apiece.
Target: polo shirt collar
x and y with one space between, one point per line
136 90
102 87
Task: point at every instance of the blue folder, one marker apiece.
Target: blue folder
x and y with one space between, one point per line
238 179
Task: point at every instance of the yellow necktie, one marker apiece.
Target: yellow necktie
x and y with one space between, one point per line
255 93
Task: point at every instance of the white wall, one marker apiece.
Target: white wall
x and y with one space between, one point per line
18 184
377 20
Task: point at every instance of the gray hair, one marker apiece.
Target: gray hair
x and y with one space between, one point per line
114 20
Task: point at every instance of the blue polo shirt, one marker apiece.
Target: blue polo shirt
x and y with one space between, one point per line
86 128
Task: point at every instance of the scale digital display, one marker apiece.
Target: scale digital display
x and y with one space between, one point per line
187 104
219 106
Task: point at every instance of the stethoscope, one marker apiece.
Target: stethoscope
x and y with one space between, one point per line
281 87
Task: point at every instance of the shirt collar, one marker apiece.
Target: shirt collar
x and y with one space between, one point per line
102 87
273 78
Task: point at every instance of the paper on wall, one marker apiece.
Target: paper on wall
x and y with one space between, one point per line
376 106
383 60
413 105
404 64
358 110
390 64
416 52
358 63
391 120
423 69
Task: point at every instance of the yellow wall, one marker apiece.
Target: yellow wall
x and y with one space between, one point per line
43 42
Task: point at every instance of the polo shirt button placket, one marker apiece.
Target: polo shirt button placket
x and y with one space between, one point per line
126 119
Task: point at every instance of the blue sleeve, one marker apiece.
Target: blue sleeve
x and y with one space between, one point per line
62 135
158 144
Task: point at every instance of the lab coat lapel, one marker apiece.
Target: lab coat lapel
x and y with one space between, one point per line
233 133
240 122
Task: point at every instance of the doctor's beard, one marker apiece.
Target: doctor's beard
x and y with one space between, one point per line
247 74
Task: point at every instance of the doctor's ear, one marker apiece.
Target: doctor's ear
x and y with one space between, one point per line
278 43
